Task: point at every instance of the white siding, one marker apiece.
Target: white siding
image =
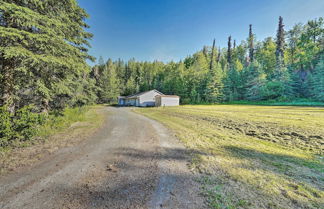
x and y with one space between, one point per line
169 101
148 99
130 102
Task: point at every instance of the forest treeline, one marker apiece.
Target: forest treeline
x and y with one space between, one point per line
282 68
43 67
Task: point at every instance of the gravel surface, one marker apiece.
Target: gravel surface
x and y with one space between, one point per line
132 162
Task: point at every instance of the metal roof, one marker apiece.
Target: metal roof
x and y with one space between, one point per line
167 96
141 93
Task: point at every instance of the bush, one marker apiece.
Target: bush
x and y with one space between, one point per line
6 128
26 123
273 90
21 126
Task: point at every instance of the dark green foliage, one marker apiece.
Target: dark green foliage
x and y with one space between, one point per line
229 50
21 126
254 71
232 83
6 129
273 90
255 80
108 84
251 44
43 53
317 81
280 50
25 123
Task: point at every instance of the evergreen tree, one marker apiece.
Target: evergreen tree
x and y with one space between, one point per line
219 54
317 81
232 84
109 84
280 44
294 36
251 44
214 86
254 82
39 51
229 51
212 55
130 87
266 56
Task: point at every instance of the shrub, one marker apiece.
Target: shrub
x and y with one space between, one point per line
6 129
21 126
26 122
273 90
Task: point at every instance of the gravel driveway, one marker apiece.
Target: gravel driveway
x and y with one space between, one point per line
132 162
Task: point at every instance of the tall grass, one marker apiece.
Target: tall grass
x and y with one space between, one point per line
57 123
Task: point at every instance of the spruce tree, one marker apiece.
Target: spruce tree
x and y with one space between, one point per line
219 54
280 44
109 84
254 80
212 55
317 81
43 43
251 44
214 86
229 51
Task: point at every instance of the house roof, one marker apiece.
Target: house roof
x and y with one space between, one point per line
133 96
167 96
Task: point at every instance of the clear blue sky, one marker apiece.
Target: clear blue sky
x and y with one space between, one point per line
168 30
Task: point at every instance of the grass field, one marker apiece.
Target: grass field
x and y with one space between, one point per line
253 156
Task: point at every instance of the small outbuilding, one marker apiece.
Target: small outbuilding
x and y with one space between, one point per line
149 99
167 100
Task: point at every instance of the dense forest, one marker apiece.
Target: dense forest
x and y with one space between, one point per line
44 53
282 68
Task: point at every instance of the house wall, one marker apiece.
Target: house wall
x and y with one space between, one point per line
147 99
169 101
158 101
130 102
121 101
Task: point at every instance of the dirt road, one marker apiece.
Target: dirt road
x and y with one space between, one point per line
132 162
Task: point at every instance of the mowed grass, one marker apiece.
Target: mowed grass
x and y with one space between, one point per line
253 156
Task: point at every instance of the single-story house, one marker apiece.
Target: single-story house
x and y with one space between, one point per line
149 99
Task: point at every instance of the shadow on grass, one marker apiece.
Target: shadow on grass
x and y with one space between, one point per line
304 172
285 160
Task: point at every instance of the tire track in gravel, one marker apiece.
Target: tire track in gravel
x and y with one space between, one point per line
132 162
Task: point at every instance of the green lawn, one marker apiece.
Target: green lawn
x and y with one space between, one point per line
253 156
